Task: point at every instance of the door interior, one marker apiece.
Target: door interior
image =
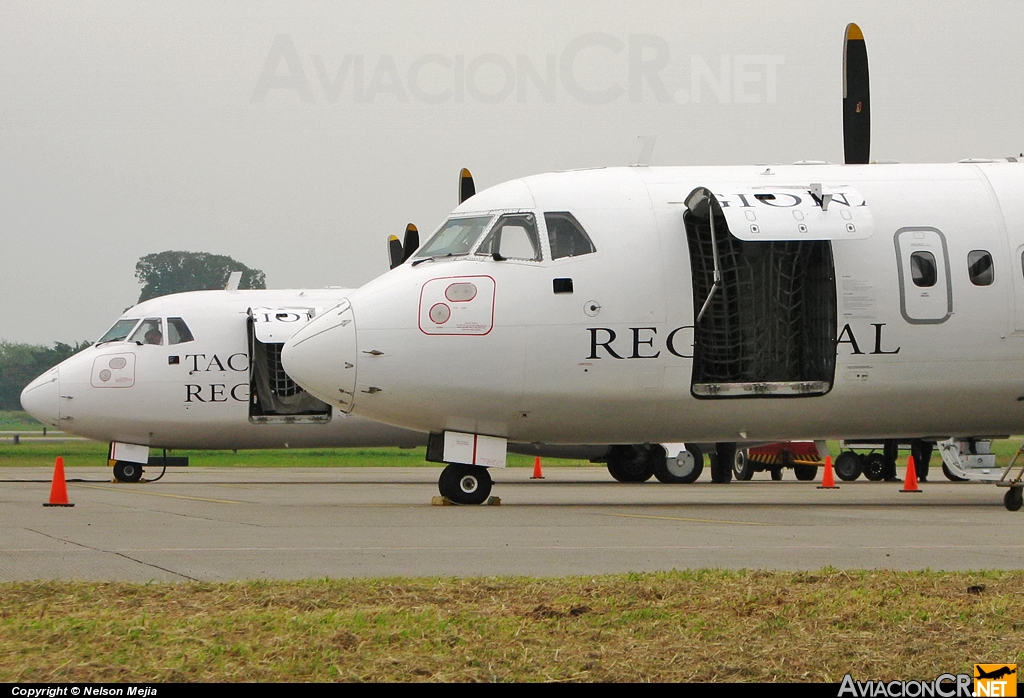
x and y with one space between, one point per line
765 310
274 396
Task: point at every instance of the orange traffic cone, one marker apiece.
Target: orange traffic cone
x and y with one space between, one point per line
59 488
910 481
536 469
828 480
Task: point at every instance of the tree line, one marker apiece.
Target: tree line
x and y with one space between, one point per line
21 363
161 273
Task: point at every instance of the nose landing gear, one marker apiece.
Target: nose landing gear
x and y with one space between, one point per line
465 484
127 472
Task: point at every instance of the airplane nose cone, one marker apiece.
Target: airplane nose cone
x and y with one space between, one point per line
41 398
321 357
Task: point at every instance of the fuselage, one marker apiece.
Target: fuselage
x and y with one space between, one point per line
194 390
900 311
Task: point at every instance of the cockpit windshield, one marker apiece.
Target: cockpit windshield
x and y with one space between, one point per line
119 331
456 237
151 331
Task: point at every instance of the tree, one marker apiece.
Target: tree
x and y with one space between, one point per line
168 272
21 363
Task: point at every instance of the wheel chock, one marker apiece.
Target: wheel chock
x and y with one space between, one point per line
439 501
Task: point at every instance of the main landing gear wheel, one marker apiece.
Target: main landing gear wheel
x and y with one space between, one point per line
722 462
682 469
874 467
847 466
127 472
741 465
465 484
805 473
632 463
1013 498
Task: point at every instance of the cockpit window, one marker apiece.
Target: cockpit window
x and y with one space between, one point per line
456 237
119 331
514 236
566 235
150 331
177 331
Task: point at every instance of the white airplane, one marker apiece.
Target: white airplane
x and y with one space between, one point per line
712 304
202 370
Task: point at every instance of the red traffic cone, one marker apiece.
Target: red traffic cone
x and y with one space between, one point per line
59 488
910 481
536 469
828 480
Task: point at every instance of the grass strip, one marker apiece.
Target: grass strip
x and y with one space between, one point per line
705 625
94 454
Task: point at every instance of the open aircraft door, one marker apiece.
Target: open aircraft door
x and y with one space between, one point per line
273 396
764 286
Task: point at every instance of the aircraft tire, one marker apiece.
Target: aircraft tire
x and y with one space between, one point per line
950 475
776 474
847 466
671 471
1013 499
127 472
722 462
742 468
874 467
805 473
631 463
465 484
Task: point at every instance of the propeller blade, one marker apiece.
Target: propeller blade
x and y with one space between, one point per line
466 186
394 250
856 98
412 241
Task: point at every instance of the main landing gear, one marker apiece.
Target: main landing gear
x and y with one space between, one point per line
640 462
465 484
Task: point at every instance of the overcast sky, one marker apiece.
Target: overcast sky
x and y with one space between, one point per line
296 136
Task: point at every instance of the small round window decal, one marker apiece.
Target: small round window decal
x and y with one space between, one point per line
440 313
105 375
460 293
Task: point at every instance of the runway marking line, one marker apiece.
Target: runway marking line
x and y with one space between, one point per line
162 494
681 518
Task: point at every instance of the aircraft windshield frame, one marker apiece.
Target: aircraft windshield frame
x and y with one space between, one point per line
119 331
456 237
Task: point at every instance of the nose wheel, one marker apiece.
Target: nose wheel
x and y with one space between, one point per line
465 484
127 472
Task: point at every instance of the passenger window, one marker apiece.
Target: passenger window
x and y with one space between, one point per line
923 269
513 237
979 266
177 331
566 236
150 332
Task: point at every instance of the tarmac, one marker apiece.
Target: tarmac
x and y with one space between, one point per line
220 524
